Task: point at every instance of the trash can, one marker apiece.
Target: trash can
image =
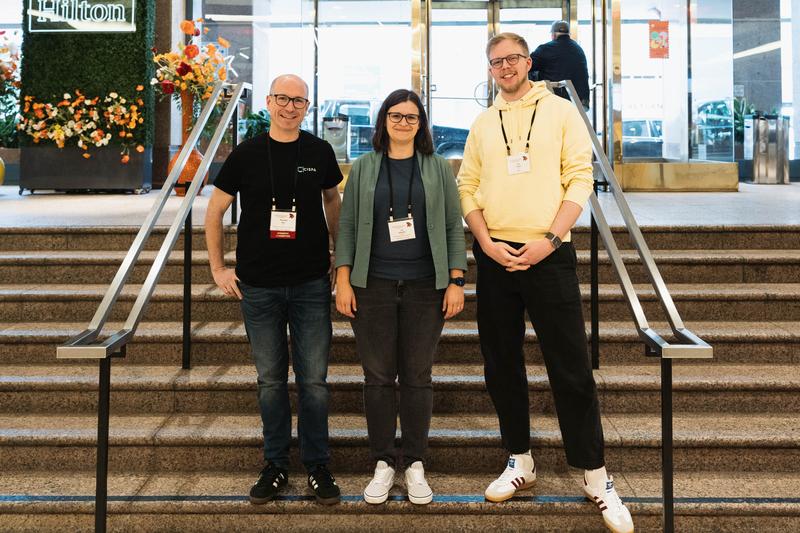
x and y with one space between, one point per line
770 148
336 130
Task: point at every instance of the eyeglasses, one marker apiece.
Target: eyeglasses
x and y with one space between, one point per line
297 101
512 60
411 119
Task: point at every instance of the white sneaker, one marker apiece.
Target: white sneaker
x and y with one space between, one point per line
378 489
520 473
615 514
419 491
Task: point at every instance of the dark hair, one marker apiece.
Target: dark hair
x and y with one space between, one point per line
423 142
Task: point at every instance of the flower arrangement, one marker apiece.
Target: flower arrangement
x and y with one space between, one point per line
89 122
194 67
9 90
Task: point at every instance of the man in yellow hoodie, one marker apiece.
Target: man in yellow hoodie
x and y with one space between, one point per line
524 180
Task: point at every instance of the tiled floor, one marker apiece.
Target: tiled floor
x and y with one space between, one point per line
752 205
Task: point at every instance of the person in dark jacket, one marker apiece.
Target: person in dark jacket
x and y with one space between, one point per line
562 59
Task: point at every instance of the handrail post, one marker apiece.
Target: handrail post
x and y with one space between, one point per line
595 296
666 445
187 292
235 141
101 480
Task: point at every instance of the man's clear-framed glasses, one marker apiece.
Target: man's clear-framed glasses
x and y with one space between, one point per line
411 118
512 60
297 101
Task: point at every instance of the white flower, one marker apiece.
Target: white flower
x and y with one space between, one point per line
67 96
153 81
113 95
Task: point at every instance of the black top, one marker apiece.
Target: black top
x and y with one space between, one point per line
562 59
401 260
265 262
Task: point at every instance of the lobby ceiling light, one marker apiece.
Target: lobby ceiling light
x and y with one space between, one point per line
769 47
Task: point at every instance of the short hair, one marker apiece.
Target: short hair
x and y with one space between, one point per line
507 36
423 142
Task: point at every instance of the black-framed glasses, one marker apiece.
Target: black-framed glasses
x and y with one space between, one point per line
411 118
297 101
512 60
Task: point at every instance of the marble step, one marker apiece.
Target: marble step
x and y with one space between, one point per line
219 441
720 501
676 266
60 302
458 389
226 343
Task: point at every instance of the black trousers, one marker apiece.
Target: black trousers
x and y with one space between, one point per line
550 293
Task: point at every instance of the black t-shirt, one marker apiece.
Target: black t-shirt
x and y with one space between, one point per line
260 260
562 59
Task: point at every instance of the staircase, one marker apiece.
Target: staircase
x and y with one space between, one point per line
186 445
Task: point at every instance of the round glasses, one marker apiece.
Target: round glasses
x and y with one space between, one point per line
411 118
512 60
297 101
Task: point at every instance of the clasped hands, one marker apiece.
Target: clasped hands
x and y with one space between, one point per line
514 259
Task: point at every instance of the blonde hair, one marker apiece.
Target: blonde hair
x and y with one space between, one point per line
519 39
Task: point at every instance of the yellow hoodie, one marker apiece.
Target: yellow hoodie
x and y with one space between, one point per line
521 207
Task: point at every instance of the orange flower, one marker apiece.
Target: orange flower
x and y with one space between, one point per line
222 73
191 51
140 148
223 42
140 87
86 155
187 27
125 159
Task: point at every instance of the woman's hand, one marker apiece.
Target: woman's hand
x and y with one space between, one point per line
453 302
345 297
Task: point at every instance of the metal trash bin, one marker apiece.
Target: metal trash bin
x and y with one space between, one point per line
336 130
770 145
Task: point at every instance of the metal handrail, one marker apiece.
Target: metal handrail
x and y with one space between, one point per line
695 347
84 345
655 345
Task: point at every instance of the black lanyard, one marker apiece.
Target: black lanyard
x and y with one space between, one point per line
528 141
391 187
272 175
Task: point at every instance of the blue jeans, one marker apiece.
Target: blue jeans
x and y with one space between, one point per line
306 308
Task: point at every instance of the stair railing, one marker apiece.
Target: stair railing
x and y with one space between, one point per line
87 344
689 345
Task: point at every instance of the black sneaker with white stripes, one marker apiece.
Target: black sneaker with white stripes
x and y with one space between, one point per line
271 480
324 485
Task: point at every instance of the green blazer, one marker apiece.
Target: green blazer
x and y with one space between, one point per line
442 209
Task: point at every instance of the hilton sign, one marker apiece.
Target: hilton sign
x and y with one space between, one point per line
96 16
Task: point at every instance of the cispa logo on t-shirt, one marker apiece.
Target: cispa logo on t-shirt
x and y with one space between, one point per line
306 169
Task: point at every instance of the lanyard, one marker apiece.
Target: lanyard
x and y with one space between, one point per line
391 187
272 174
528 141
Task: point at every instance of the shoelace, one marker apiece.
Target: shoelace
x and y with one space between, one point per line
613 500
268 475
508 475
322 476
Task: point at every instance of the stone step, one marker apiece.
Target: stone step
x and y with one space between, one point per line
676 266
60 302
226 343
657 237
719 501
458 389
217 441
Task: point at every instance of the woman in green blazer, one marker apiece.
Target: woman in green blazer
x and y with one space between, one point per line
400 259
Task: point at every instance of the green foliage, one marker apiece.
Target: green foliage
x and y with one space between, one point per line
96 64
741 107
256 123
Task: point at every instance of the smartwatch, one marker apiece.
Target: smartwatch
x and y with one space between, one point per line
555 241
458 282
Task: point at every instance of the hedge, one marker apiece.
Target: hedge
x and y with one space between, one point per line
94 63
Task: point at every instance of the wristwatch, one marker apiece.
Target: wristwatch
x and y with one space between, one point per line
555 241
458 282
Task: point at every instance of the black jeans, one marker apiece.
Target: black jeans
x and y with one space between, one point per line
397 328
550 293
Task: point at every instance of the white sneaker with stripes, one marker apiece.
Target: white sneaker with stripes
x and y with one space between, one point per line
615 514
520 473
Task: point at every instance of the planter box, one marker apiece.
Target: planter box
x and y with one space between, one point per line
65 169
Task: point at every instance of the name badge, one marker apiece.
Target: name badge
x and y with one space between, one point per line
282 224
518 164
401 229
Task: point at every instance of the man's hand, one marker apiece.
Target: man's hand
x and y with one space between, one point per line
226 279
453 302
536 250
506 255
